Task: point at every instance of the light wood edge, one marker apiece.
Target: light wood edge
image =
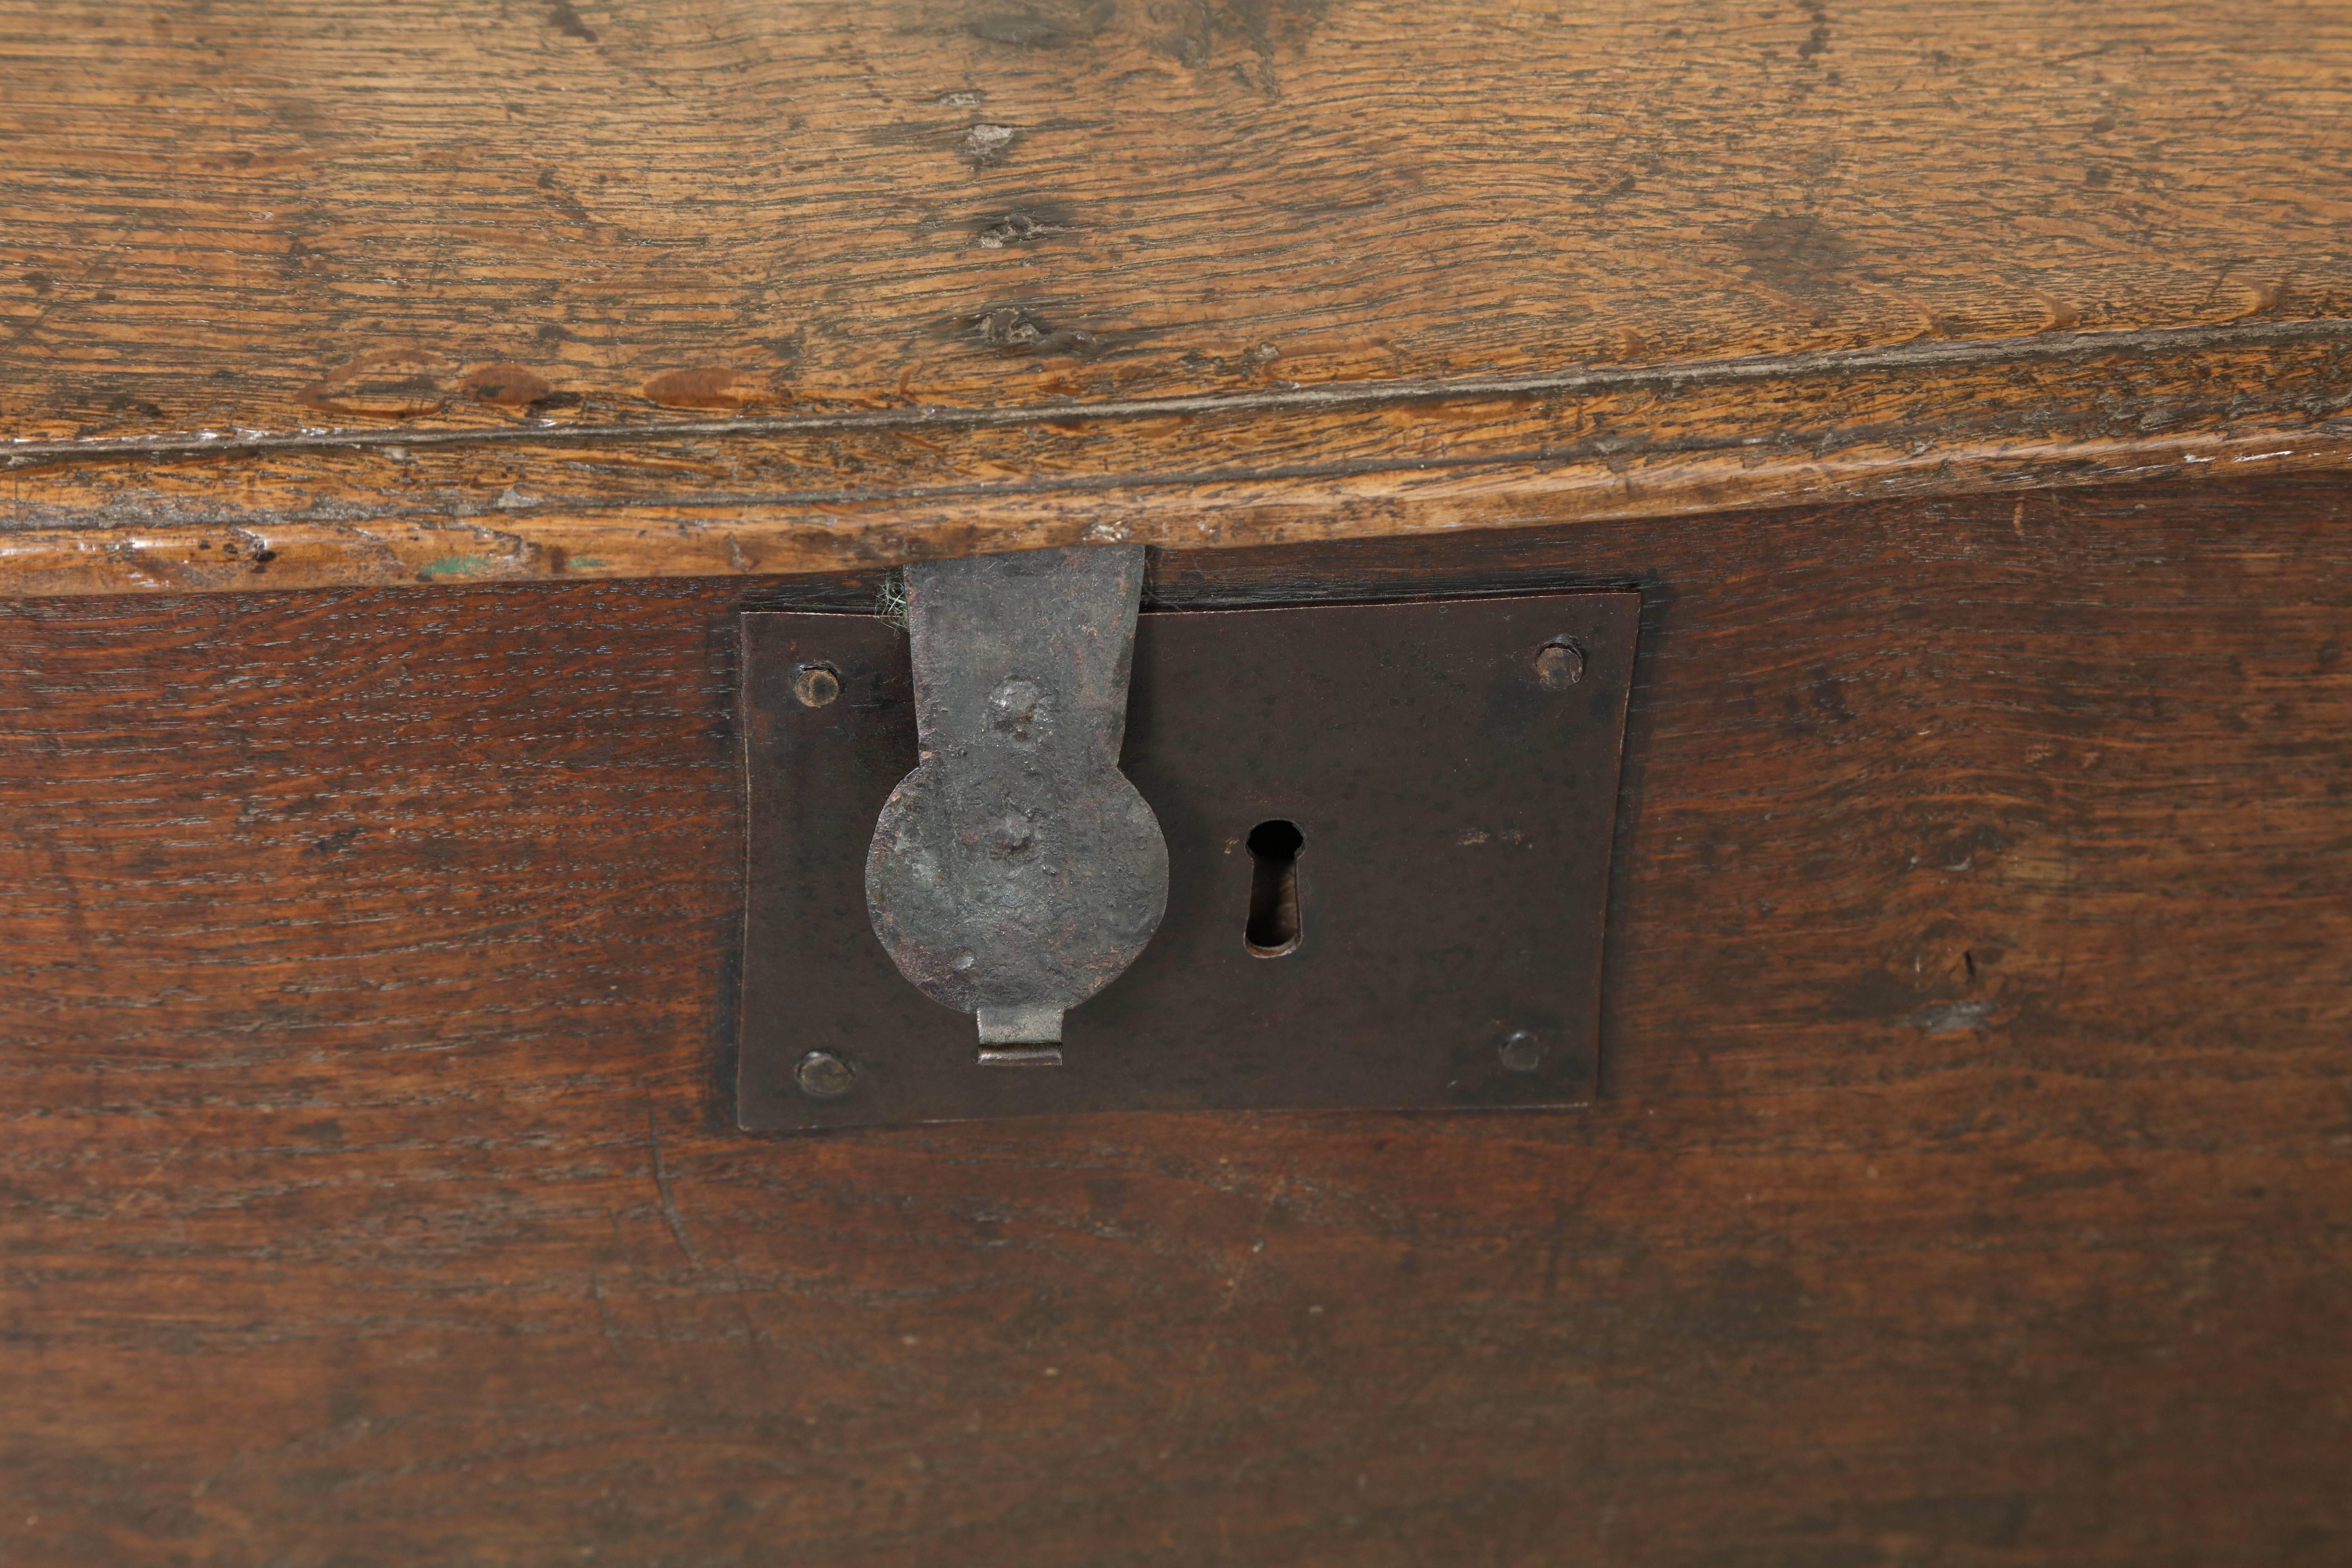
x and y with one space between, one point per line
557 545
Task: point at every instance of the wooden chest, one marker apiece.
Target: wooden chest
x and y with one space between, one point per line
401 405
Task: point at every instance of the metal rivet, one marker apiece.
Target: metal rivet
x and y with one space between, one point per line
816 685
1522 1052
821 1075
1560 663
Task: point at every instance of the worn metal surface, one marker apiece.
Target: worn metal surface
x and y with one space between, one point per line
1455 807
1015 871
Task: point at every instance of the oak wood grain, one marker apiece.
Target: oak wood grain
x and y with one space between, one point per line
1970 1187
329 211
252 251
832 493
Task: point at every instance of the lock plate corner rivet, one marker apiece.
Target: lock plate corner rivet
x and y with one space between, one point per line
1559 664
822 1075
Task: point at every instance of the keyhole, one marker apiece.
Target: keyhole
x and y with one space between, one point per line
1273 927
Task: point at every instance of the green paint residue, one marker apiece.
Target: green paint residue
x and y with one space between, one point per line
587 563
454 566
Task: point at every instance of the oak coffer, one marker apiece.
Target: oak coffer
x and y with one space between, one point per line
1109 785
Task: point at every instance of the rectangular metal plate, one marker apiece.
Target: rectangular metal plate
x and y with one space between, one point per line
1458 813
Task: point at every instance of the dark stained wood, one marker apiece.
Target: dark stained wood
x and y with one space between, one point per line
1971 1188
724 288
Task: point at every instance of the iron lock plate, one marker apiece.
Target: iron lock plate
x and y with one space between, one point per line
1450 768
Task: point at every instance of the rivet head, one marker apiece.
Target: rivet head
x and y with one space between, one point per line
816 685
1521 1052
821 1075
1559 664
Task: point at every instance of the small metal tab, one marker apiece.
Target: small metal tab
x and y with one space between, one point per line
1016 872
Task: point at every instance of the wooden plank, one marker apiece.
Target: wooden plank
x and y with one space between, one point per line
1970 1186
250 252
329 212
833 493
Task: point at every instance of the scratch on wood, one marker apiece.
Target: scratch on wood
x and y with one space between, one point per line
669 1199
605 1317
